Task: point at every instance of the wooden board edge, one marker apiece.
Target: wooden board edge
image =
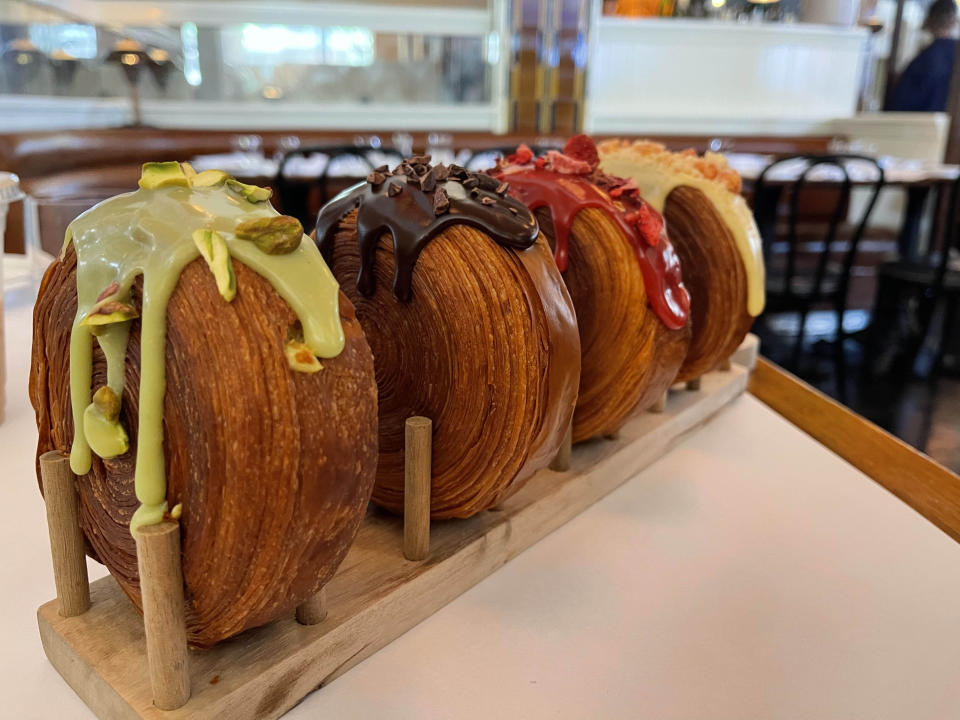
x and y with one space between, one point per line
914 477
98 695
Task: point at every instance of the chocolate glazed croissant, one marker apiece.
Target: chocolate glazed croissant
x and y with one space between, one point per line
622 276
272 468
714 234
469 323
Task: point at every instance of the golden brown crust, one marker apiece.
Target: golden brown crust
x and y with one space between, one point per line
628 357
715 277
487 349
274 468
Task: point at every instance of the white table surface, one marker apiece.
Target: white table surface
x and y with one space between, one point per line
896 170
748 574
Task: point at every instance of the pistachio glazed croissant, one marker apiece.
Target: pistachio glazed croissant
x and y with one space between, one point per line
469 323
193 354
715 235
622 274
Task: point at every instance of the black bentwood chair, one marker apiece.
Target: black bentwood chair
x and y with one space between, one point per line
910 290
798 284
294 192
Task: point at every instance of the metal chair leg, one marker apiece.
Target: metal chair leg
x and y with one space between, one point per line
798 345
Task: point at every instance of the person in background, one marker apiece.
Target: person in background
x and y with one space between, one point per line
925 84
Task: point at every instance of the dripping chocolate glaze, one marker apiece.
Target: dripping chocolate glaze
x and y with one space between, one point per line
416 203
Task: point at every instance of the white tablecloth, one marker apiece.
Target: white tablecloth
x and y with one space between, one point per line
748 574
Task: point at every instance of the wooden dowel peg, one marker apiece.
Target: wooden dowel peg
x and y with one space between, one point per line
660 405
726 366
416 491
693 384
314 610
66 538
561 462
161 586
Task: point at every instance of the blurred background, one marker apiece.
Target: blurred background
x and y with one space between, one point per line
836 112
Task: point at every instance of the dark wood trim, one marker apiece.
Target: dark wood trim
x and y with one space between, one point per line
922 483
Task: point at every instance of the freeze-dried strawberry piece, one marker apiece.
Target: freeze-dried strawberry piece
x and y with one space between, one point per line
581 147
540 163
567 165
649 223
628 187
522 156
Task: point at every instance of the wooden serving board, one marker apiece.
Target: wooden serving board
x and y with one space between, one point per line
376 595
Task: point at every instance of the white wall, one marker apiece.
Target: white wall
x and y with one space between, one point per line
696 76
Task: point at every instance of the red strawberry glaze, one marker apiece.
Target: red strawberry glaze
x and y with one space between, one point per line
564 195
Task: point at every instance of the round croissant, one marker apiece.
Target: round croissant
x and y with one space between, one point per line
714 274
486 348
273 468
714 234
629 358
622 274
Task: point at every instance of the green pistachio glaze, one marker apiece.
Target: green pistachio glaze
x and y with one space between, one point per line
148 233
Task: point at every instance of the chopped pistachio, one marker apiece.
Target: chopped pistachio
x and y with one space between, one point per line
107 312
188 170
213 249
209 178
276 235
107 402
106 437
162 174
109 292
253 193
301 358
176 511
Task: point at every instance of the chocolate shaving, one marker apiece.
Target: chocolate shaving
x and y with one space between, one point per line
382 169
471 183
441 203
376 178
394 189
488 200
502 188
428 183
487 182
442 172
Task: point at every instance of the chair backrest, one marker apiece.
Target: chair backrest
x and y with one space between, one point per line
951 241
294 192
814 171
